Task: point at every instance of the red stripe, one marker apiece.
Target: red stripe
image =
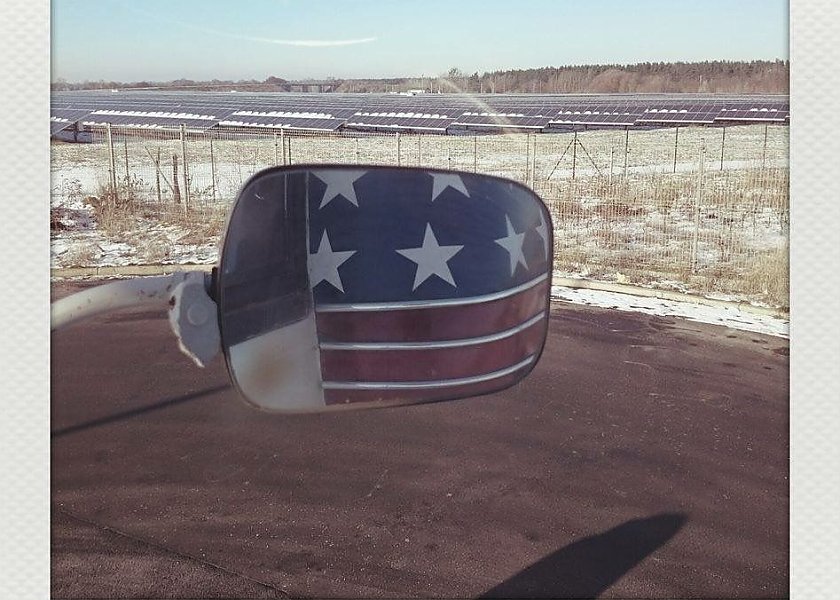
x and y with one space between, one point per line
434 364
380 397
432 323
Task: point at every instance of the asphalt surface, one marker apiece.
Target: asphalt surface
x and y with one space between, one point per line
643 457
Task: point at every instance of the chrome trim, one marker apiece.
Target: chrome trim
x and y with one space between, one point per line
493 337
413 304
421 385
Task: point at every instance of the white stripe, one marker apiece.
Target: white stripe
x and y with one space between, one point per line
433 345
423 385
412 304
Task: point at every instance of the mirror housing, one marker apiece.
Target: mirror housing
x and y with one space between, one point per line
356 287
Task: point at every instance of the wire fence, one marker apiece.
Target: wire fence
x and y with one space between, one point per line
704 209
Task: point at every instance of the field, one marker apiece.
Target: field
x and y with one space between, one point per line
704 210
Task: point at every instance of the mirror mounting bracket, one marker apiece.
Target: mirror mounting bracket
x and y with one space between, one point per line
193 316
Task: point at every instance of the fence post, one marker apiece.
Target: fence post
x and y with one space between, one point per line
157 177
626 149
399 158
698 199
213 166
112 162
475 154
534 162
176 190
722 144
283 144
764 150
612 156
276 157
527 157
574 155
676 144
125 151
186 168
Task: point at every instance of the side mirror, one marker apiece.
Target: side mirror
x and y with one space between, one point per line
351 287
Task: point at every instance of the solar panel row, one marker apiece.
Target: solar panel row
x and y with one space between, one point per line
762 113
430 112
398 123
68 114
590 114
676 116
501 120
280 122
148 122
57 126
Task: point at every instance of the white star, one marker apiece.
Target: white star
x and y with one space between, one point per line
339 181
513 244
431 259
323 265
443 180
543 231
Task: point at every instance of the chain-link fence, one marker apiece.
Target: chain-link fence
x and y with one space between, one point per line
700 208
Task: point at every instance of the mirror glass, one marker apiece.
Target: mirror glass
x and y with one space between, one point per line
355 287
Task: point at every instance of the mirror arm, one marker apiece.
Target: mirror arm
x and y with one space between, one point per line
125 293
193 315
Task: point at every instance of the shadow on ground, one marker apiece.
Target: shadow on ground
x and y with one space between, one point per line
587 567
137 411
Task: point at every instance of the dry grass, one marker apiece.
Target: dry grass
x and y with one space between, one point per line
728 237
201 223
81 255
152 227
115 209
768 276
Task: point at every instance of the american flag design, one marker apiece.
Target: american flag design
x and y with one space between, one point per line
416 286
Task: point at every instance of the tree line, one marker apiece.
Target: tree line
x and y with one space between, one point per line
733 77
753 77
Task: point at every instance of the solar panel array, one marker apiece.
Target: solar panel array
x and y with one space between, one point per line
437 113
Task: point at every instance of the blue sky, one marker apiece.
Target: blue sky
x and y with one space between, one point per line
157 40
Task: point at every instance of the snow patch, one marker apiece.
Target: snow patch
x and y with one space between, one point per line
728 316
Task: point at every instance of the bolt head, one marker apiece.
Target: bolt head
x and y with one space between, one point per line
197 314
